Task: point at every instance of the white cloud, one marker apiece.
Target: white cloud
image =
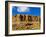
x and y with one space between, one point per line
23 9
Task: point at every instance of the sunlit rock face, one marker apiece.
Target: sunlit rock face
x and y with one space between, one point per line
23 9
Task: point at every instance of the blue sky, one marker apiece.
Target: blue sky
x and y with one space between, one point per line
35 11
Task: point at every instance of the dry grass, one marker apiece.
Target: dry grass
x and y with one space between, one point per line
18 25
